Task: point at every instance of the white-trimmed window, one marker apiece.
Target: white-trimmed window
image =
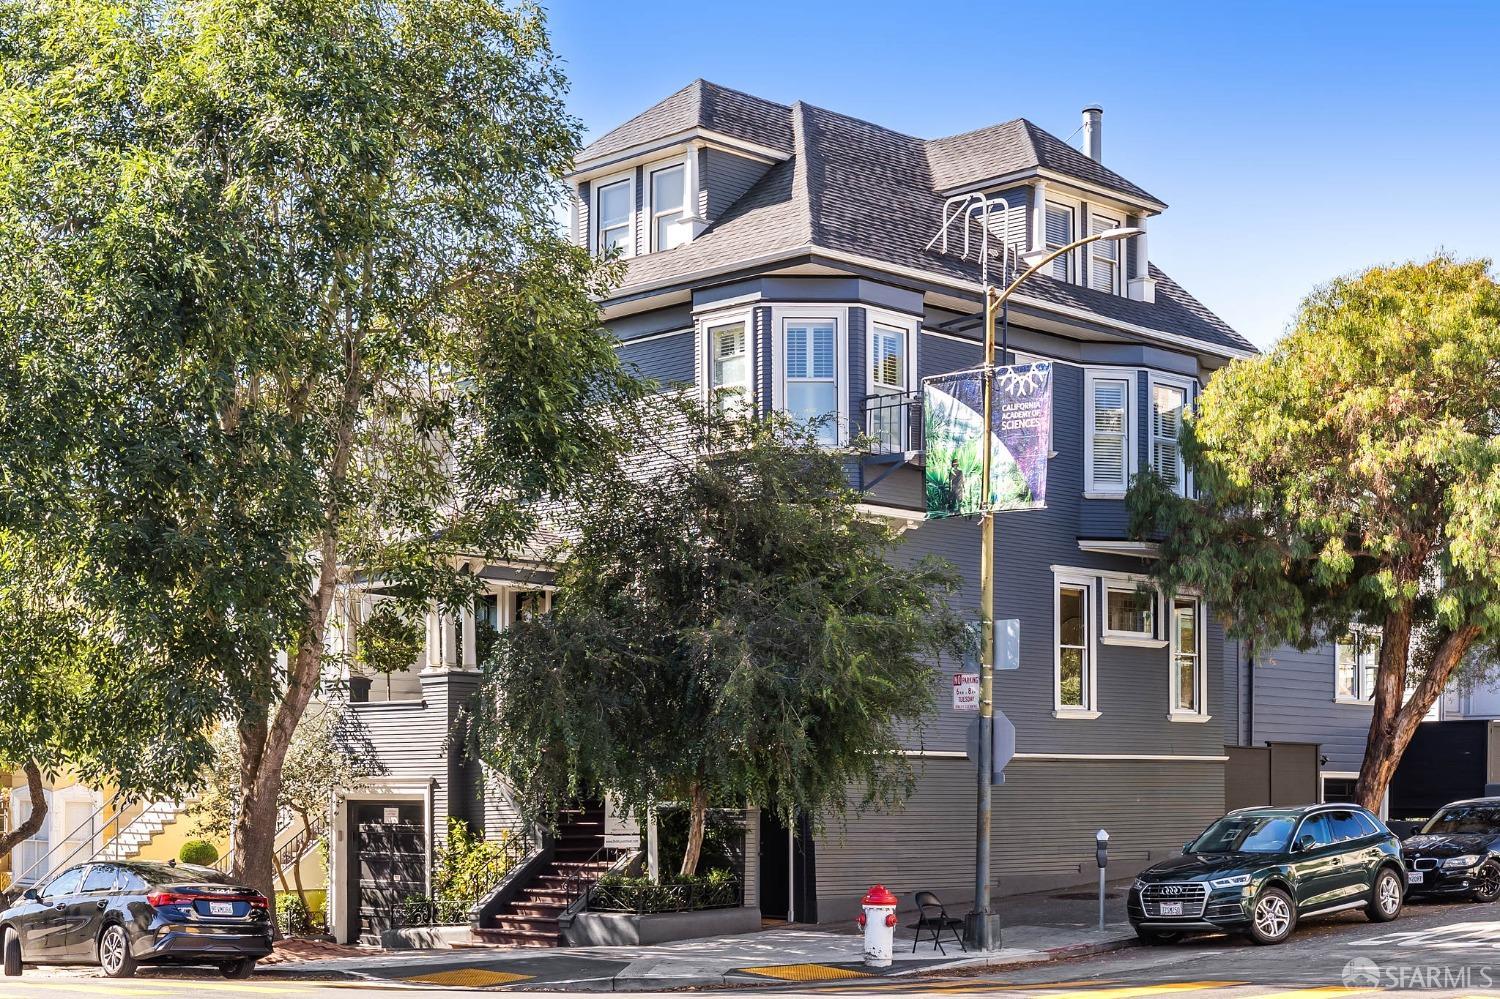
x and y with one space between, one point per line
1061 224
614 215
667 203
1108 431
729 366
1188 683
810 374
1129 611
1073 647
1169 402
889 350
1355 665
1104 255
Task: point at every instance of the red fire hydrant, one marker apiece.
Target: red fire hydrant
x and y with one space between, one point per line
878 920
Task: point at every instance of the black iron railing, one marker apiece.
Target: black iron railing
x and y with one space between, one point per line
892 422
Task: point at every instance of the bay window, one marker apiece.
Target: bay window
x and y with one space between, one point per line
1107 432
810 376
729 366
888 348
1168 407
1129 612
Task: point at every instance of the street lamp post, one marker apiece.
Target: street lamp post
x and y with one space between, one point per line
979 931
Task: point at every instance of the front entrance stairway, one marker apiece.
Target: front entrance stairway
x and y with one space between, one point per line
578 860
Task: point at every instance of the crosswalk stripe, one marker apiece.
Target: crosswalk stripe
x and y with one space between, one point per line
1132 991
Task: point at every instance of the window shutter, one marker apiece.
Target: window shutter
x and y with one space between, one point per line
1108 459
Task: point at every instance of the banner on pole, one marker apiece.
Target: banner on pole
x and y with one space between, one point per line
1021 440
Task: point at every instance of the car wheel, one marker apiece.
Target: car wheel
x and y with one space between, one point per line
1154 938
12 947
1386 896
242 967
1273 918
114 952
1487 882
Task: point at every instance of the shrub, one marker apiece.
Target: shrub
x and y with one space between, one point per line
718 889
293 918
198 851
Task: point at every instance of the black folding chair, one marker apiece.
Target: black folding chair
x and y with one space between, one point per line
931 916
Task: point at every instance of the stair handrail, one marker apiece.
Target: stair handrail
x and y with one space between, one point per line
296 848
25 876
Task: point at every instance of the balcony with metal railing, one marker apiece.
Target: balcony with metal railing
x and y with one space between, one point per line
890 435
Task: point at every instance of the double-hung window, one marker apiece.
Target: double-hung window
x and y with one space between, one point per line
1060 226
667 193
810 374
613 216
1187 681
887 406
729 366
1169 403
1073 647
1107 432
1104 255
1356 662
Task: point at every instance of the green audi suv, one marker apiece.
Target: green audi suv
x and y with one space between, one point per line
1259 870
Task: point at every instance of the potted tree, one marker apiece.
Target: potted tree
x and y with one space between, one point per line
387 641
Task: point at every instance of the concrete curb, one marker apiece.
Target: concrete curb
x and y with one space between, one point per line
1031 957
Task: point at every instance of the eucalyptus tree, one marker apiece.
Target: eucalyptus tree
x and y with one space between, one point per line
730 630
1350 478
282 301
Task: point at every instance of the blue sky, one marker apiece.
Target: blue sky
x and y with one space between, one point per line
1292 141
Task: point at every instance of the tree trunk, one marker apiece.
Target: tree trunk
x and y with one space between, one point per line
1394 723
697 823
33 823
307 838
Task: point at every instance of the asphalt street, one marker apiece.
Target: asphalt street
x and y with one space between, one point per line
1433 950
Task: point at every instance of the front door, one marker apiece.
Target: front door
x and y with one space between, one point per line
787 888
1318 865
389 865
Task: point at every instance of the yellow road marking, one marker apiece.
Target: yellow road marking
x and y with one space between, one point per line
991 985
469 977
197 985
1132 991
804 972
1319 993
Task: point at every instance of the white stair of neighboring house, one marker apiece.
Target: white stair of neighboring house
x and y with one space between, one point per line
152 819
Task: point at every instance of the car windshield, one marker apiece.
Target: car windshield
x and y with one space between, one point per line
1245 834
1465 819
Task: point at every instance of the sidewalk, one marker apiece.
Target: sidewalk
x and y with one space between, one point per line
1036 928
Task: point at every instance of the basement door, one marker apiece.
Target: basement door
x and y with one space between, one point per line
389 862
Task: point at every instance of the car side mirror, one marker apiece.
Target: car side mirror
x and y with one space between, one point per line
1306 843
1187 847
31 895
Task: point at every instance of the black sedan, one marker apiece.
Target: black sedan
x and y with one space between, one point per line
1457 852
122 915
1259 870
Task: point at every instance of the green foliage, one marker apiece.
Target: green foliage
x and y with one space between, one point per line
717 889
198 851
281 298
389 639
468 866
1352 476
730 627
294 918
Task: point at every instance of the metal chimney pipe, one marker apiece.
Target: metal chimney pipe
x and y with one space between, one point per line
1093 132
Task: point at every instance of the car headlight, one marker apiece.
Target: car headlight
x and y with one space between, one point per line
1467 860
1140 885
1238 881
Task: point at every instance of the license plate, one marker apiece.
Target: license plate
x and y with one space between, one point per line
1171 908
1414 877
221 908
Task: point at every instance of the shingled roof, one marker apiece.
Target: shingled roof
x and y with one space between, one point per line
700 105
854 187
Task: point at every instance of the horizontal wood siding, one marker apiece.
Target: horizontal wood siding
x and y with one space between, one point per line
668 359
726 178
1294 703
